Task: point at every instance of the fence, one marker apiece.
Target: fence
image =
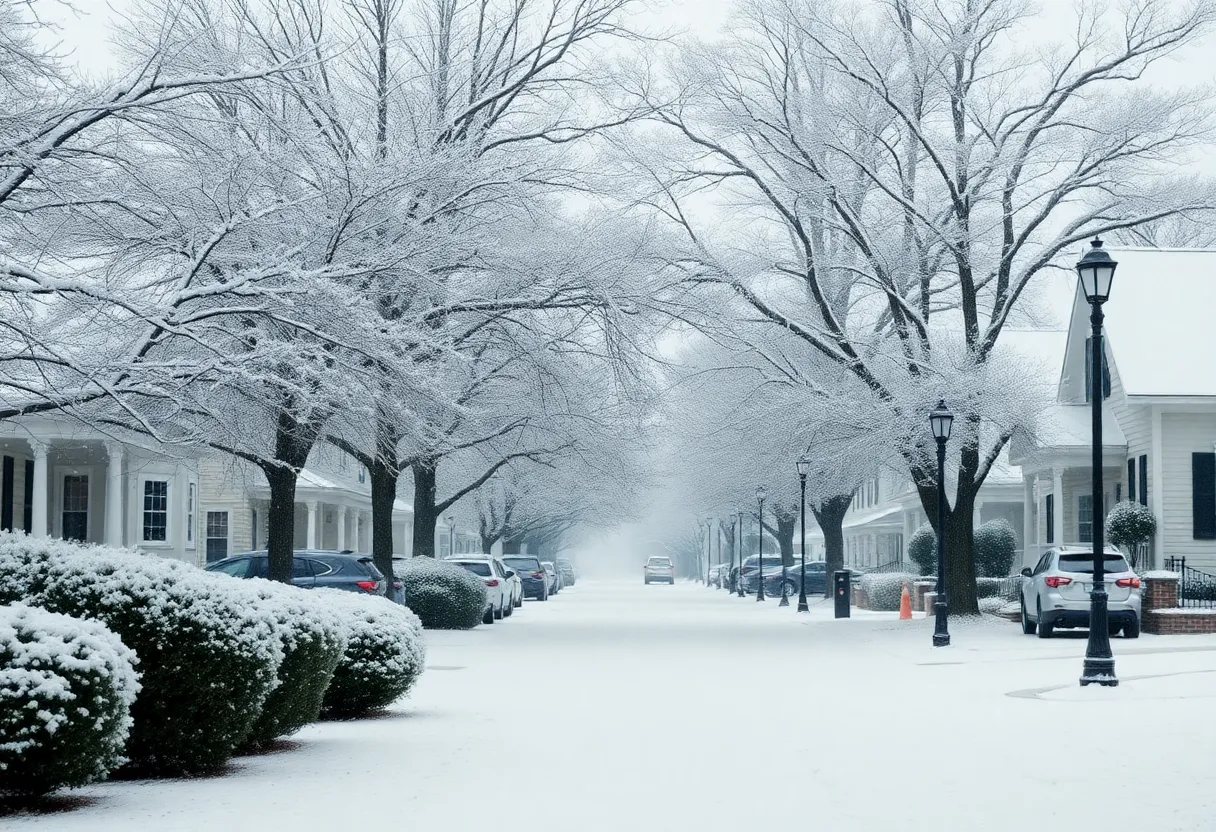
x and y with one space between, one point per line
1195 588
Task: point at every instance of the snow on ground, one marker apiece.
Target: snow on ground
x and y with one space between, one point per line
624 707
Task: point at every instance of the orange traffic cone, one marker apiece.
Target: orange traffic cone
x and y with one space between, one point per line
905 605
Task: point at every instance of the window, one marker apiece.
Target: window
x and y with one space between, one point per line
27 508
75 507
238 568
362 473
1050 513
1143 479
156 511
6 496
191 490
1085 518
217 535
1089 361
254 532
1203 496
1131 479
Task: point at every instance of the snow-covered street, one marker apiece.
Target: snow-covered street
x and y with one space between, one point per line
622 707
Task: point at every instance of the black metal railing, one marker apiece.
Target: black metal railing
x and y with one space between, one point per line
1195 587
892 566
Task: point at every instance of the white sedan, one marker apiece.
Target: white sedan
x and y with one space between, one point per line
498 586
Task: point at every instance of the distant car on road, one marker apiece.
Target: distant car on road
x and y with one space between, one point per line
535 578
566 568
498 588
1055 593
659 568
555 577
312 568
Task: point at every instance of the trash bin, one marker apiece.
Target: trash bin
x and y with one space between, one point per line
843 590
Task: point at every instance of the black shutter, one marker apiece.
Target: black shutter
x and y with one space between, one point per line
1203 495
1144 480
6 495
1131 479
27 508
1051 519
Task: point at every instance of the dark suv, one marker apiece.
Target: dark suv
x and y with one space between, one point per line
533 575
312 568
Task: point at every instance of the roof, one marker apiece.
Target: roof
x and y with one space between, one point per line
1159 320
863 518
1071 425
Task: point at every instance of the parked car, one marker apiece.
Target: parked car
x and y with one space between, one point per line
733 579
659 568
750 573
517 584
534 577
1055 593
312 568
566 568
816 578
715 575
555 578
498 595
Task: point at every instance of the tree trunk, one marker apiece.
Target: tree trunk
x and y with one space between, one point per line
829 514
384 475
785 538
960 562
425 515
487 542
280 522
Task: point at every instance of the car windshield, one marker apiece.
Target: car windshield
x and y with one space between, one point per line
477 568
1083 564
659 562
752 560
523 564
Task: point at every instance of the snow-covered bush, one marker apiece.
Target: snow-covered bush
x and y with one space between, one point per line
314 638
208 649
443 595
883 589
996 545
1128 525
384 654
66 688
922 549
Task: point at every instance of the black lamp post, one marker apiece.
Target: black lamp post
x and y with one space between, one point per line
739 579
761 493
1097 271
941 420
804 468
709 548
730 566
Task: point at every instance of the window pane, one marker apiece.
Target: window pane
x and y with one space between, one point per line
156 510
1085 518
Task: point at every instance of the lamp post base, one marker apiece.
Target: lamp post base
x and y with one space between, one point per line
785 601
941 634
803 606
1099 667
760 593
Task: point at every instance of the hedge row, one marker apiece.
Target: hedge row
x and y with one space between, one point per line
225 664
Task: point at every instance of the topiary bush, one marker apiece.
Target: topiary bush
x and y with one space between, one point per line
996 545
443 595
922 549
1128 525
313 637
66 688
384 654
884 589
208 649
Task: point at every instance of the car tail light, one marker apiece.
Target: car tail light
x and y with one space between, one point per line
492 582
1055 581
366 586
540 576
1134 583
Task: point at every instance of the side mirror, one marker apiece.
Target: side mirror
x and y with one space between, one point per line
510 573
1026 573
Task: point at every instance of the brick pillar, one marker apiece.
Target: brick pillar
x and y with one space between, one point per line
1160 593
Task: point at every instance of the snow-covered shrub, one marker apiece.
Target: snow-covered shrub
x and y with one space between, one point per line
883 589
1128 525
313 637
66 688
443 595
922 549
996 545
208 649
384 654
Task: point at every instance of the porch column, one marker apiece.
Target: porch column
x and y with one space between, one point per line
38 514
311 535
114 494
1028 524
1057 489
975 513
341 528
358 530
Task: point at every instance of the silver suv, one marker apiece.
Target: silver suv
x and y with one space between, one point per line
1056 592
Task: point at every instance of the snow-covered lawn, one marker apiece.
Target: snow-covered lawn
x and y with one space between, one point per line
629 708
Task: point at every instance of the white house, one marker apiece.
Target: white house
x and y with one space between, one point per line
1159 413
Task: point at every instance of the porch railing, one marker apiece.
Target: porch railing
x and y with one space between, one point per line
1196 588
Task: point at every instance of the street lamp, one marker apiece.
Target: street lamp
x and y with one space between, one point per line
1096 270
739 579
730 567
451 518
804 468
761 493
941 420
709 548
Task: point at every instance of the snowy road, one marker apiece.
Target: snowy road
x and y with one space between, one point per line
629 708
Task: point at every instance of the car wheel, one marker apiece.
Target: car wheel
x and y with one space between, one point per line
1044 627
790 589
488 618
1028 626
499 613
1132 629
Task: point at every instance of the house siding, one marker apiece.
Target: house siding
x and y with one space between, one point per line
1182 435
222 487
1136 422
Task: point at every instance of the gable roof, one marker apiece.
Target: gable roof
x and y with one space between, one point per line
1159 320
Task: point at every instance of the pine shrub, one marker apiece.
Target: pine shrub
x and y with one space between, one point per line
66 688
922 549
445 596
996 545
384 654
208 649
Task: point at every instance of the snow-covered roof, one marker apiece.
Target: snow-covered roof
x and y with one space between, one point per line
1070 425
1159 320
863 518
